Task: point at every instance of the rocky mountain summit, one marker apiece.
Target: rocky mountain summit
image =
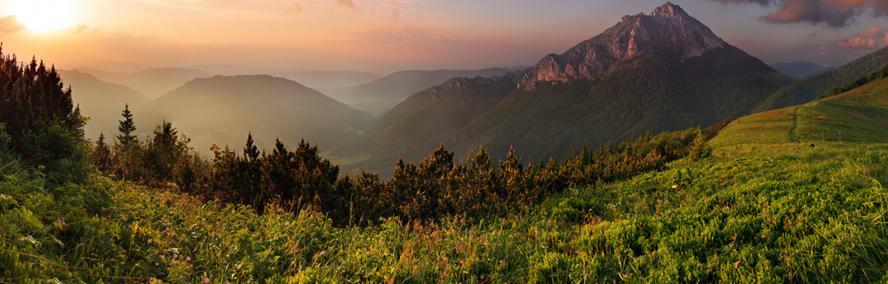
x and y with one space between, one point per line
668 31
648 73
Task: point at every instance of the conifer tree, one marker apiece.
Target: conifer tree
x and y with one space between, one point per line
102 155
41 122
513 177
127 129
251 152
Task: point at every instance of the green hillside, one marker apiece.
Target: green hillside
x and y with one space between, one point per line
761 208
810 216
860 115
822 84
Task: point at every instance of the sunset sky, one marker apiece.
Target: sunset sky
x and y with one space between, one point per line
385 35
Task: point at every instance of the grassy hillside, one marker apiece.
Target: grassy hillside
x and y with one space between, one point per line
778 213
824 83
860 115
763 208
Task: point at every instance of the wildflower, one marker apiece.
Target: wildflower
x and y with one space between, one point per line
206 280
175 256
188 258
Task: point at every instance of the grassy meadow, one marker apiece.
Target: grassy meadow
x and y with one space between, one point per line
781 199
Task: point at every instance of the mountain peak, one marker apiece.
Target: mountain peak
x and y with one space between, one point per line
668 32
668 10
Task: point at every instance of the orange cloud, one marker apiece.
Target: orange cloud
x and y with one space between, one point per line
868 39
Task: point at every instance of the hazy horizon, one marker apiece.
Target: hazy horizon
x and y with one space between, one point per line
380 37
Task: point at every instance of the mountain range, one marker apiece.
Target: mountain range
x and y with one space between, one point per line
328 79
222 110
101 101
152 82
648 73
800 69
379 96
653 72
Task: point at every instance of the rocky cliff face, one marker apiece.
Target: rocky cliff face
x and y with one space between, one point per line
667 31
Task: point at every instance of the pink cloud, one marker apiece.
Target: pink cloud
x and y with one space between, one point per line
868 39
836 13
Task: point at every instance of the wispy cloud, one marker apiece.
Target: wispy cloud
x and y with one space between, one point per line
835 13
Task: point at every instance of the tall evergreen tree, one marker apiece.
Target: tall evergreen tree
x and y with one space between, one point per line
127 128
101 155
127 149
166 153
251 152
250 188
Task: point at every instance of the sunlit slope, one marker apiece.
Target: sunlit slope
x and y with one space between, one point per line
860 115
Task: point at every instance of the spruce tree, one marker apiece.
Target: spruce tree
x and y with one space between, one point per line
127 128
251 152
102 155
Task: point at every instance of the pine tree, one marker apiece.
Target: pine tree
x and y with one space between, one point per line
127 129
101 155
251 152
513 177
165 154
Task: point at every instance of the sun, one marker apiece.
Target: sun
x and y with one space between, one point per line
42 16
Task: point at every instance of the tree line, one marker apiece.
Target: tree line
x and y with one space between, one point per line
440 185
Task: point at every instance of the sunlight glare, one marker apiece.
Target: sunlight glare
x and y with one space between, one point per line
42 16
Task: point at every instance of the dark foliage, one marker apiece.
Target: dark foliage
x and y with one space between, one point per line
440 185
43 127
881 74
101 155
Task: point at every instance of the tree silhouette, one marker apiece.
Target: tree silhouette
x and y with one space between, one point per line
102 156
127 129
42 123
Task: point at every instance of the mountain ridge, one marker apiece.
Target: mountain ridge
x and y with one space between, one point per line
224 109
592 98
380 95
667 29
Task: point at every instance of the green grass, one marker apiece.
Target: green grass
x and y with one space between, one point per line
763 208
776 213
860 115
